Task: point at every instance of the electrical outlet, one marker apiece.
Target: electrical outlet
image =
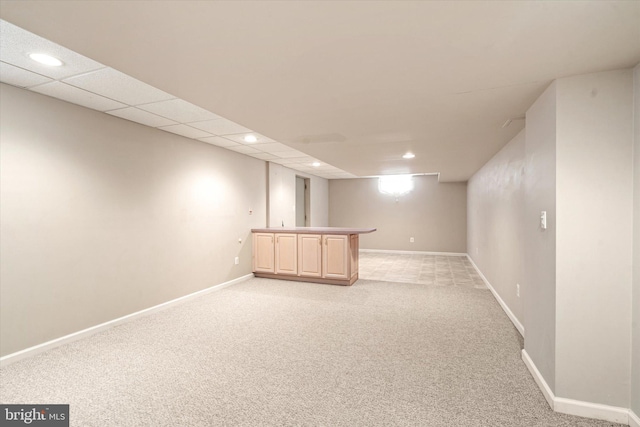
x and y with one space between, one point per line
237 260
517 289
411 240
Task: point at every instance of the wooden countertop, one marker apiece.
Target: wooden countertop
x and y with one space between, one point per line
314 230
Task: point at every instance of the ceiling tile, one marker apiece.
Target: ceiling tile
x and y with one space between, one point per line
116 85
16 44
142 117
263 156
325 168
185 130
279 161
219 141
17 76
273 147
220 127
289 154
243 149
303 167
179 110
344 175
239 137
292 160
77 96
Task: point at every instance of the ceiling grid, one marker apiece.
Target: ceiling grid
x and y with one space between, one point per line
90 84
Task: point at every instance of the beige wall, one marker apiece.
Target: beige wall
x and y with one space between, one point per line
539 266
495 204
594 191
434 214
635 298
102 217
576 276
282 197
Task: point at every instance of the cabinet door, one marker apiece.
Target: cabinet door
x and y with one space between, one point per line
263 260
286 253
335 257
310 255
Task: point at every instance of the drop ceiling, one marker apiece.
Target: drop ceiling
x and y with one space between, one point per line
354 85
91 84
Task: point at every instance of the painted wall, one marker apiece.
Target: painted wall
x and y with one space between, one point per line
576 284
282 197
495 205
538 291
594 191
635 298
102 217
434 214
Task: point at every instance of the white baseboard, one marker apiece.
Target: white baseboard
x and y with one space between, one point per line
40 348
577 407
580 408
388 251
542 384
504 305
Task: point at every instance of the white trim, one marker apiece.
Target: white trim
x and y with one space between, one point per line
386 251
597 411
40 348
537 376
503 304
577 407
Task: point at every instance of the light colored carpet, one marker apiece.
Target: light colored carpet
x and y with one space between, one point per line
273 353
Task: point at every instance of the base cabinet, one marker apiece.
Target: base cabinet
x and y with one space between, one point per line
335 257
286 254
323 258
263 255
310 255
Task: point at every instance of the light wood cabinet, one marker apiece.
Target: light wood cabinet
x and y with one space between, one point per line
286 254
310 255
354 247
302 255
335 257
263 259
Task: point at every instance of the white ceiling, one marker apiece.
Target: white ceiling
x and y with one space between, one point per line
353 84
91 84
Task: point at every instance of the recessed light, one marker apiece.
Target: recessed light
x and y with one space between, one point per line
408 156
250 138
315 164
45 59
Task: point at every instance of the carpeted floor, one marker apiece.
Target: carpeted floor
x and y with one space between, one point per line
273 353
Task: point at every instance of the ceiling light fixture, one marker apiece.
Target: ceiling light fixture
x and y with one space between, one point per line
250 138
45 59
408 155
315 164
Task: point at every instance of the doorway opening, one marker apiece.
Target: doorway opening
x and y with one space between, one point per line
303 187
